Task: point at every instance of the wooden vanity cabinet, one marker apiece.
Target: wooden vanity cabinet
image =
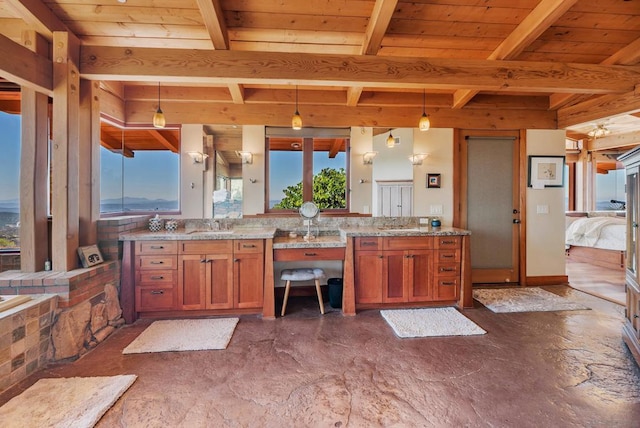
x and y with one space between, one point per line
156 276
407 269
220 274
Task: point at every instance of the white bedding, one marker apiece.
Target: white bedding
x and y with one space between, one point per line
608 233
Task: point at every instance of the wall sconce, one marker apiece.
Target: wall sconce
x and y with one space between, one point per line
367 158
417 158
197 157
247 157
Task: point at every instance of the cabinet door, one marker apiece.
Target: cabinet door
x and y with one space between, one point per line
633 221
368 266
219 289
420 275
248 270
192 282
394 277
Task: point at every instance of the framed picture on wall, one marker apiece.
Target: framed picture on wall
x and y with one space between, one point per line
433 181
546 171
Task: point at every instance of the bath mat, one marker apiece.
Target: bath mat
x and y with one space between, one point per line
65 402
532 299
430 322
184 335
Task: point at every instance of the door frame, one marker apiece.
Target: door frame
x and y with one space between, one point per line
460 187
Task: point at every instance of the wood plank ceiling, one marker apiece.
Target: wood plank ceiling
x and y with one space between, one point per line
470 63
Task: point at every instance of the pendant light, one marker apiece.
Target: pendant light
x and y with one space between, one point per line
296 120
424 123
158 117
391 142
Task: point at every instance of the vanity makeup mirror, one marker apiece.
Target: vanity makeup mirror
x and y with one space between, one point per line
308 211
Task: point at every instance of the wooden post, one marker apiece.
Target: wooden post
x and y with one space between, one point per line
89 168
33 169
268 302
348 281
65 152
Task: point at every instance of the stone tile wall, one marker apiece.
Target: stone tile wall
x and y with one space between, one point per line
25 339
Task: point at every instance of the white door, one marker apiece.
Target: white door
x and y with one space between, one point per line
395 199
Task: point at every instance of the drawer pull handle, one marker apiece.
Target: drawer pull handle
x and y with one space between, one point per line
157 247
236 260
157 291
248 246
157 277
203 260
310 254
447 256
368 243
447 242
448 283
153 262
447 269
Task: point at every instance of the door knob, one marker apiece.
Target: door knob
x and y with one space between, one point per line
516 220
515 211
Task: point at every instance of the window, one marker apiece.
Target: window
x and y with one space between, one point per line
307 169
10 181
610 186
137 172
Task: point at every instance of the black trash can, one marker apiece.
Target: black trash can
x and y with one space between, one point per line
335 292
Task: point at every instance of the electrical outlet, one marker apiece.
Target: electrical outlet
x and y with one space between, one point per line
542 209
424 221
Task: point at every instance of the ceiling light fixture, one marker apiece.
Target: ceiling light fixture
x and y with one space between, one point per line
599 131
158 117
296 120
391 142
424 123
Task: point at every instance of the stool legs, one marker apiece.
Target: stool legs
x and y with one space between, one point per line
319 292
287 287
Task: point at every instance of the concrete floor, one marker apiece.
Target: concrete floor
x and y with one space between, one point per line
544 369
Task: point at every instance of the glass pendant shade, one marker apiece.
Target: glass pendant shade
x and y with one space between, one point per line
296 121
424 123
158 119
391 142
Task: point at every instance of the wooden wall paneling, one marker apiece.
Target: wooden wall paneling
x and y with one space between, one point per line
89 166
33 170
65 160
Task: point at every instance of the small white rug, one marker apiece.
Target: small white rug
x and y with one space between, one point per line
430 322
531 299
184 335
64 402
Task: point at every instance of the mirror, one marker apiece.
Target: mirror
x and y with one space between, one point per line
309 210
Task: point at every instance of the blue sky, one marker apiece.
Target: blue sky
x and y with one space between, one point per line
9 156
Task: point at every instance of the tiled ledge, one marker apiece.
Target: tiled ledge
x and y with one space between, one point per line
72 286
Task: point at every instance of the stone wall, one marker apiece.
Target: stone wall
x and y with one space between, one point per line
9 261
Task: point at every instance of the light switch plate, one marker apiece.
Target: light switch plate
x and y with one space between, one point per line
436 209
542 209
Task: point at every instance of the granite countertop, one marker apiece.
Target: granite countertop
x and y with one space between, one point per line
402 231
197 235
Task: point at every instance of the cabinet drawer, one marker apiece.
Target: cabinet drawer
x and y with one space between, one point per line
292 254
156 247
447 289
448 242
448 269
408 243
248 246
206 247
369 243
154 277
449 256
155 298
157 262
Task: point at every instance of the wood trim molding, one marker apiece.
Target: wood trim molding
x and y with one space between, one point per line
535 281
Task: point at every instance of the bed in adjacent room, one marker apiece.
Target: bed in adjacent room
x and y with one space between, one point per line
596 239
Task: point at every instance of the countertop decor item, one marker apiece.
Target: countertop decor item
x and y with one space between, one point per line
155 224
171 225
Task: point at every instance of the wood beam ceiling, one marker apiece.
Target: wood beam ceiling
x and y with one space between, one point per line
24 67
599 108
38 16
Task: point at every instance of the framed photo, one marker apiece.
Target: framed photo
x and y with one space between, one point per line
433 181
546 171
90 256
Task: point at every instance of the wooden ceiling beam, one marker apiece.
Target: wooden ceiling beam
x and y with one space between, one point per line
223 67
25 68
213 17
377 26
39 17
599 108
237 93
114 145
177 93
532 26
627 139
10 106
140 112
629 55
165 139
335 147
353 95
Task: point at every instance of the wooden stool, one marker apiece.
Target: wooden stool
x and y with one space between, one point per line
301 274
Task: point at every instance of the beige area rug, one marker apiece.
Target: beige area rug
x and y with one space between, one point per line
184 335
531 299
64 402
429 322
